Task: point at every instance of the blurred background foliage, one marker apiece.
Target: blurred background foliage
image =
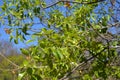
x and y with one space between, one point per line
7 70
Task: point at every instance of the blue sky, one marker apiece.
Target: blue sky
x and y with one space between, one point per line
4 36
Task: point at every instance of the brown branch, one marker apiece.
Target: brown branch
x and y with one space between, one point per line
69 73
108 47
9 60
114 24
9 70
85 2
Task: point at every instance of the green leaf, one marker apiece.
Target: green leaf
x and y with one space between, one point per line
65 52
21 75
17 34
24 29
96 74
25 63
29 71
103 30
11 37
55 54
4 7
36 77
87 77
104 21
23 37
9 19
29 41
16 41
25 52
97 27
60 54
34 50
118 75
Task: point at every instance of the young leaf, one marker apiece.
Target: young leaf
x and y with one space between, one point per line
24 51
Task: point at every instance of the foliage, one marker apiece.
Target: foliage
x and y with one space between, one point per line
7 70
73 39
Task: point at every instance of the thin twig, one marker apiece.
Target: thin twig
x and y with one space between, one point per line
9 60
9 70
97 31
108 47
85 2
114 47
110 25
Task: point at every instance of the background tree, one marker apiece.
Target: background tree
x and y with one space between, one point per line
9 58
72 38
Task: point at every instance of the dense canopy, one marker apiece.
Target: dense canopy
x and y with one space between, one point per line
73 41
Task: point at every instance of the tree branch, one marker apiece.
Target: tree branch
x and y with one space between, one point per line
69 73
97 32
9 60
85 2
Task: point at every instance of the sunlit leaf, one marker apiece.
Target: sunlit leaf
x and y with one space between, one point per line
21 75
